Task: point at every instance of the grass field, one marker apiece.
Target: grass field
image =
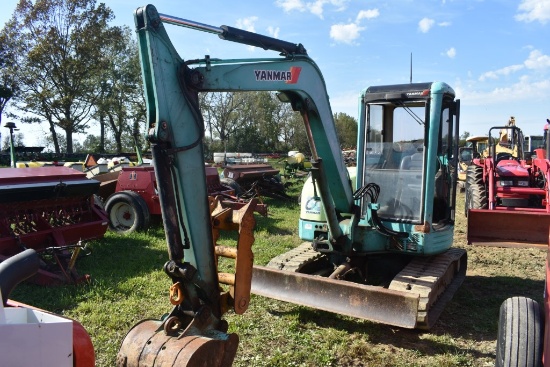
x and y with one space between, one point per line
128 285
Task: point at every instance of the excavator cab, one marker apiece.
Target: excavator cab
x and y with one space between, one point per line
404 179
416 153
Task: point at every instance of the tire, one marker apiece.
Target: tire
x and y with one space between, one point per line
466 198
520 333
233 184
476 194
127 212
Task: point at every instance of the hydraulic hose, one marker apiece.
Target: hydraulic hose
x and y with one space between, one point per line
16 269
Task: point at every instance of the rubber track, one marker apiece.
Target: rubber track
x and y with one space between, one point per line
295 259
435 279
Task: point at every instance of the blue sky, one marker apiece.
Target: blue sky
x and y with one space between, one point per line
494 53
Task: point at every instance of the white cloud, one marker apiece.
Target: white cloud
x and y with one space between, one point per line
451 53
425 25
290 5
247 23
444 24
537 61
523 89
367 14
504 71
315 7
273 32
346 33
533 10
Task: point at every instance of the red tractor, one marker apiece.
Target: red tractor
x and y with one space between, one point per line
507 201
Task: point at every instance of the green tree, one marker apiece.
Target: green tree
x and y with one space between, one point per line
223 114
346 128
122 104
8 64
293 132
60 55
18 139
462 140
92 142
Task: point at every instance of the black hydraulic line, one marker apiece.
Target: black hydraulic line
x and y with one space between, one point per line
258 40
231 34
16 269
372 190
168 206
318 174
385 230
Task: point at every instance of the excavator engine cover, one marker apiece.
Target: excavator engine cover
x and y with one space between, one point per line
148 345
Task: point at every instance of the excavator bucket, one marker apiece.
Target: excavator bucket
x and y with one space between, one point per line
150 343
507 228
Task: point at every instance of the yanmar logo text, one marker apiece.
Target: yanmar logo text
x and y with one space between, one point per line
289 77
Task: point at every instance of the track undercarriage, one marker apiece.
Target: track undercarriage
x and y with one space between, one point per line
411 295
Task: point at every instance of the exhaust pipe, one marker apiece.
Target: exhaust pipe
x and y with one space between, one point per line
16 269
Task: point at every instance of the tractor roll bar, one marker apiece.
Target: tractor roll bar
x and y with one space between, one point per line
239 36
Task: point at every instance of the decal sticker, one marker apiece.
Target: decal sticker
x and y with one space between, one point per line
289 77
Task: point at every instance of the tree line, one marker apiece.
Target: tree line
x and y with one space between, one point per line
62 63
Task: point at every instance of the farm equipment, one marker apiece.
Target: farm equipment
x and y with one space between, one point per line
523 337
531 143
296 165
507 201
249 180
51 210
34 337
398 223
131 197
475 148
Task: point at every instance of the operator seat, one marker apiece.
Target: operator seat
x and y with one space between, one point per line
412 162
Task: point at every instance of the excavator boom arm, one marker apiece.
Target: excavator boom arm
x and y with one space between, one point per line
171 83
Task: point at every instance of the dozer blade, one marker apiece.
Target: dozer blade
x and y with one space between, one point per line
414 299
505 228
342 297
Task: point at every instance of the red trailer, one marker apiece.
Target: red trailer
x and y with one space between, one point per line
132 197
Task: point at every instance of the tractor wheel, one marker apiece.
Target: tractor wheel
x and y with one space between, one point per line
520 333
466 199
127 212
233 184
476 194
